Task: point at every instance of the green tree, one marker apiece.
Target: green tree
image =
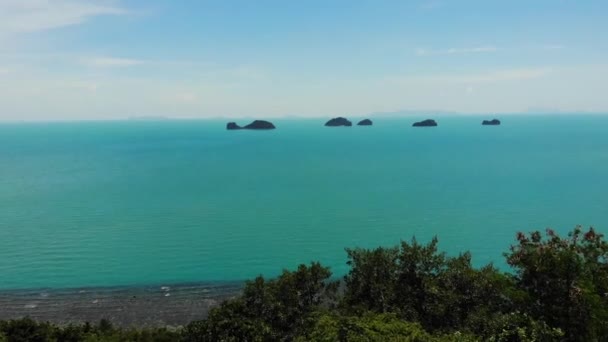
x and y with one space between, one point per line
566 280
372 327
423 285
371 282
268 310
461 292
26 330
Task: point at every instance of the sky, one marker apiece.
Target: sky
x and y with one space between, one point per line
114 59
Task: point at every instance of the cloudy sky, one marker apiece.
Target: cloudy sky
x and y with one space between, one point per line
110 59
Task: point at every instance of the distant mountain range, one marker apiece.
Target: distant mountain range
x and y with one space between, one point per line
401 113
148 118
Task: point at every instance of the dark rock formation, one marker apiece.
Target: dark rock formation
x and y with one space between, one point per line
232 125
425 123
257 124
335 122
366 122
260 124
494 122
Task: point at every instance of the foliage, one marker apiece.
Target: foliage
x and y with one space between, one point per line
516 326
566 279
372 327
411 292
268 310
422 285
372 279
28 330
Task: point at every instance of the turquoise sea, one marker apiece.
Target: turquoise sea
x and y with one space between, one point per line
167 202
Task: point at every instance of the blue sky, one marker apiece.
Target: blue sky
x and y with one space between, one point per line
111 59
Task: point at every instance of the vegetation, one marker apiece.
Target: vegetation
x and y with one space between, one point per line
27 330
558 291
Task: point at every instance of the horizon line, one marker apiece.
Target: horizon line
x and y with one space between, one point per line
391 115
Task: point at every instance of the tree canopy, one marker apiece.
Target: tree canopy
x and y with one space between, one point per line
557 290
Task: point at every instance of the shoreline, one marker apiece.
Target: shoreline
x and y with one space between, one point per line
125 306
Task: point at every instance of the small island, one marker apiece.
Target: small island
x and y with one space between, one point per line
337 122
425 123
256 125
232 126
260 124
365 122
494 122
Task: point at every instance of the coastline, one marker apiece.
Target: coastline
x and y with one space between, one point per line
124 306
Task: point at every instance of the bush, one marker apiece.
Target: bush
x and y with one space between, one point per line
519 327
372 327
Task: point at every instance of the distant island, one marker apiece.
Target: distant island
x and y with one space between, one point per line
494 122
344 122
425 123
337 122
255 125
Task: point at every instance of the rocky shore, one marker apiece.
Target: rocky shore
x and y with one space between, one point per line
151 306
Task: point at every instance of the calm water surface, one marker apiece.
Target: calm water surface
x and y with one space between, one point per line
138 203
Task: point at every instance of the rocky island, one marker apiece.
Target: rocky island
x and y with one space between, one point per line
425 123
257 124
336 122
232 125
260 124
494 122
365 122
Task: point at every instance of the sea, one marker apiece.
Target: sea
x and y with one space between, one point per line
160 203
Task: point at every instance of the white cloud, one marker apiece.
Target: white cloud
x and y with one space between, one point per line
38 15
484 49
454 51
490 76
112 62
501 75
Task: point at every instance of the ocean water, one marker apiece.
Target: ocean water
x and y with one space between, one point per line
137 203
